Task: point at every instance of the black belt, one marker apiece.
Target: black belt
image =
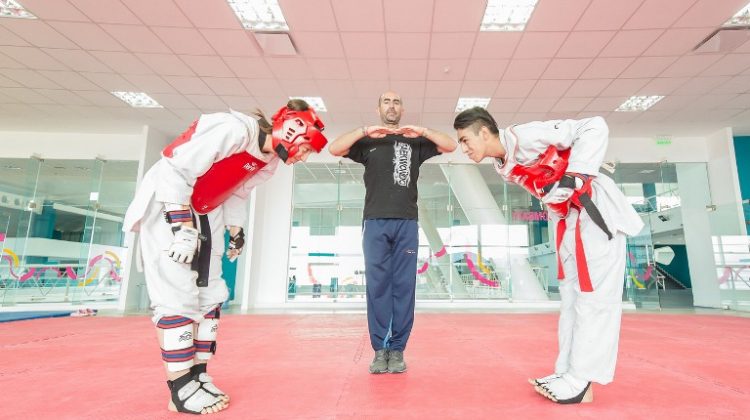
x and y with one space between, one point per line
202 262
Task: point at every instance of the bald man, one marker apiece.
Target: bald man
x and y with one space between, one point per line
392 155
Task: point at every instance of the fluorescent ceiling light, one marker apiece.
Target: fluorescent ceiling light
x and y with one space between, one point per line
742 18
12 9
507 15
639 103
466 103
314 101
259 15
137 99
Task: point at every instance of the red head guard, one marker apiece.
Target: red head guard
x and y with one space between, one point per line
291 129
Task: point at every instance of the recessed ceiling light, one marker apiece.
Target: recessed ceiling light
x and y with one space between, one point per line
137 99
314 101
12 9
741 18
507 15
466 103
259 15
638 103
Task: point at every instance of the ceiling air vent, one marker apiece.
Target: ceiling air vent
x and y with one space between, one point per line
723 40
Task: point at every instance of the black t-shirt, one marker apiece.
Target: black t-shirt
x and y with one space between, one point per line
391 173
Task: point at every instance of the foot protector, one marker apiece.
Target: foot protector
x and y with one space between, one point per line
189 397
567 390
199 372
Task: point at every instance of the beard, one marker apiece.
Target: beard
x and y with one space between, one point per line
391 118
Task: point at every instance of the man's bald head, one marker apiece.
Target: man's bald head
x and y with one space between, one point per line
390 108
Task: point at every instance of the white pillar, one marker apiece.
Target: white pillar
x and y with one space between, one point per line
479 205
693 183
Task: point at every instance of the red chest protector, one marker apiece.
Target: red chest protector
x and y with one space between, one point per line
223 177
544 172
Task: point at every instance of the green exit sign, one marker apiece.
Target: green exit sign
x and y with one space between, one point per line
663 140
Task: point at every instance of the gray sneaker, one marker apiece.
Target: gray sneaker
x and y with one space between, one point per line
396 362
380 362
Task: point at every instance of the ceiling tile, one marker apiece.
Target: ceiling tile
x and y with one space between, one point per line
308 15
342 89
583 88
251 68
407 69
408 45
399 15
207 65
453 16
537 105
525 69
358 15
262 87
188 85
370 89
318 44
630 43
368 69
709 13
364 44
102 99
241 103
64 97
451 45
737 84
300 87
215 14
658 14
490 45
9 63
677 41
443 89
584 44
539 44
232 42
566 68
184 40
446 69
624 87
88 36
206 101
230 86
690 65
729 65
439 105
438 119
6 82
158 13
77 60
26 96
54 10
328 68
287 68
30 57
111 11
166 64
29 78
701 85
647 66
122 62
486 69
571 104
409 90
150 83
664 85
550 88
514 88
606 68
556 15
504 105
35 32
607 104
603 15
478 88
136 38
109 81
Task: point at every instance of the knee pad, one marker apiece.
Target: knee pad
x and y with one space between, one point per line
205 338
178 349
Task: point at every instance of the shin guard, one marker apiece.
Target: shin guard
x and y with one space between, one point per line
205 338
178 349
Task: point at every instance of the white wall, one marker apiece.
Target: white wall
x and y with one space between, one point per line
61 145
